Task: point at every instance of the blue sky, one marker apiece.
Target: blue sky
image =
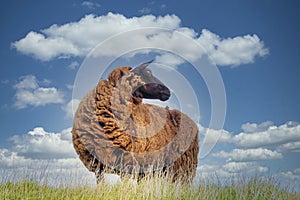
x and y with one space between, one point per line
254 45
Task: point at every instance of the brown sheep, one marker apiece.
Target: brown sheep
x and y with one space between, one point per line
113 130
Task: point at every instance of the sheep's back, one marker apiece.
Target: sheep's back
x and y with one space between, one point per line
187 148
176 138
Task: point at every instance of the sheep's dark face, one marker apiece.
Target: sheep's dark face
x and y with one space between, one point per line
151 88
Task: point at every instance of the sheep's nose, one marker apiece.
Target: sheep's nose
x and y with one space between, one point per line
159 86
164 93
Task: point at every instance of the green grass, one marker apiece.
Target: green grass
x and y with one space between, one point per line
151 188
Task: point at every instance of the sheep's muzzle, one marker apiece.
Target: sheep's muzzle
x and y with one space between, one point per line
153 91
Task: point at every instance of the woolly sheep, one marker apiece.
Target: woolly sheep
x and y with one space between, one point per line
114 130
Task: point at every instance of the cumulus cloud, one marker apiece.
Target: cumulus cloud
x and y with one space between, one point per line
80 37
62 171
205 168
245 155
45 48
29 93
40 144
229 170
268 135
10 159
222 136
253 127
297 171
45 157
71 107
247 150
169 59
290 147
232 51
253 139
249 167
291 175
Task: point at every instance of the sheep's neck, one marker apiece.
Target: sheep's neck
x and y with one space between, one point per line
117 111
140 115
128 110
130 125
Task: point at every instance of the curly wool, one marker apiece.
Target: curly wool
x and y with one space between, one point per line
112 129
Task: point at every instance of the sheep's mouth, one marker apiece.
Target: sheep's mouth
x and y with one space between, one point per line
153 91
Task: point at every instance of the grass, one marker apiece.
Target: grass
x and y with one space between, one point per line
154 187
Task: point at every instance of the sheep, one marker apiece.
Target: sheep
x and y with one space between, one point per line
114 130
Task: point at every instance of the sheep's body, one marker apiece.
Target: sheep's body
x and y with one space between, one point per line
114 131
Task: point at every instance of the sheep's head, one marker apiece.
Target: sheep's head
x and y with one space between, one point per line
150 87
142 82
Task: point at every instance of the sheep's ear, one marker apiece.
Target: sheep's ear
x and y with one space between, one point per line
142 66
116 74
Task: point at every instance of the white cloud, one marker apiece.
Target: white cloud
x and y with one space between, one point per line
205 168
28 92
46 48
55 172
39 144
244 167
222 136
46 81
9 159
218 172
71 107
27 82
242 155
45 157
290 147
145 10
169 59
293 175
73 65
297 171
253 127
247 160
232 51
90 4
12 159
79 38
272 136
69 86
229 171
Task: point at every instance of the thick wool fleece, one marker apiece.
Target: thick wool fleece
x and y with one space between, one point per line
114 130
